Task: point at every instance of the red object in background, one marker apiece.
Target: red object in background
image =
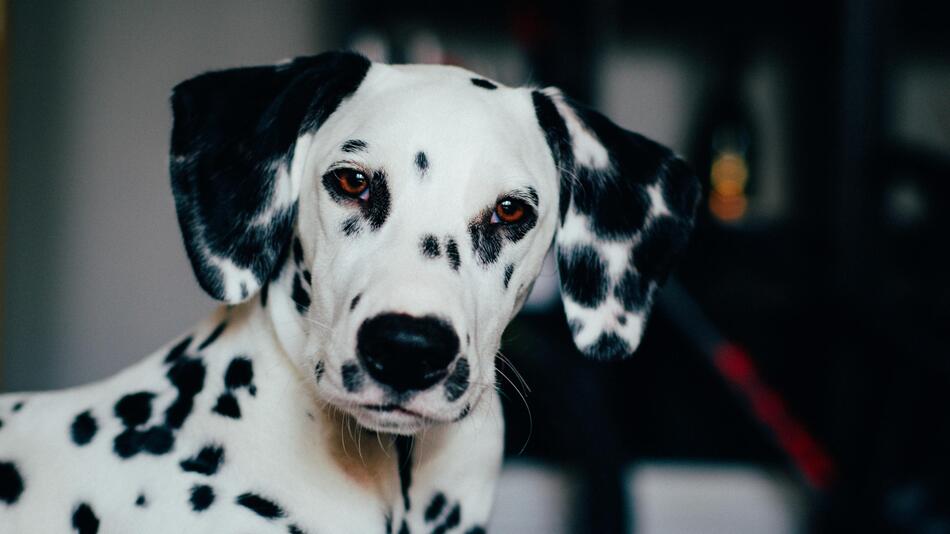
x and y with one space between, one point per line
767 406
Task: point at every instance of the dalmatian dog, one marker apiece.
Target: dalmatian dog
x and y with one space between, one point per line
372 230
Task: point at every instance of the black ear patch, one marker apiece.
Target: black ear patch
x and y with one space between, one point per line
233 139
626 211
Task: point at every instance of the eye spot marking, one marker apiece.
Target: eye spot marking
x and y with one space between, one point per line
483 83
430 246
622 319
140 501
422 163
509 270
351 226
452 252
353 145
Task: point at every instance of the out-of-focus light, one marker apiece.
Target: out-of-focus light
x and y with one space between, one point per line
729 175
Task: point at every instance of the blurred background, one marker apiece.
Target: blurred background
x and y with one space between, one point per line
795 376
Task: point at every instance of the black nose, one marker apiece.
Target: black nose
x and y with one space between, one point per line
406 353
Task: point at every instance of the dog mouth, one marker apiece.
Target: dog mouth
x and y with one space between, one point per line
391 408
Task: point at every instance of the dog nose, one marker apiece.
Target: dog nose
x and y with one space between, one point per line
404 352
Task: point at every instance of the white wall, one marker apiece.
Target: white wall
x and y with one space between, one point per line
97 276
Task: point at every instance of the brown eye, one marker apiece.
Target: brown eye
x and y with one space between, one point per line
509 210
351 182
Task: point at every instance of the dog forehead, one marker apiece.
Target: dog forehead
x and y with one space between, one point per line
438 105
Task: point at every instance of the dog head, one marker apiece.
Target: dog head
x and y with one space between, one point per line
394 218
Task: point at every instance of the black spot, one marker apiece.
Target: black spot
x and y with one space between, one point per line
509 270
134 409
475 530
607 347
355 301
434 510
454 518
298 251
227 406
85 520
404 464
583 275
264 295
319 369
352 377
17 406
422 163
457 382
452 251
659 245
532 194
177 351
351 226
206 462
11 483
83 429
376 210
202 497
240 373
294 529
430 246
488 238
451 521
213 336
389 524
621 319
140 501
353 145
156 440
483 83
188 376
243 290
259 505
1 423
632 291
404 528
300 295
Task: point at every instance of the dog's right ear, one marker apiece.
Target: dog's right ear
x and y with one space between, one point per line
233 141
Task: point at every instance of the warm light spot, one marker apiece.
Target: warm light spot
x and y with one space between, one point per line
728 176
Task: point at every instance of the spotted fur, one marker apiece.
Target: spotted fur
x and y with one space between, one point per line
270 416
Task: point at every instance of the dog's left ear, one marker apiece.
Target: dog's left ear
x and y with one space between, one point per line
626 211
233 141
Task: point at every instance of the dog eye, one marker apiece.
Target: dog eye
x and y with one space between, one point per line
352 183
508 210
